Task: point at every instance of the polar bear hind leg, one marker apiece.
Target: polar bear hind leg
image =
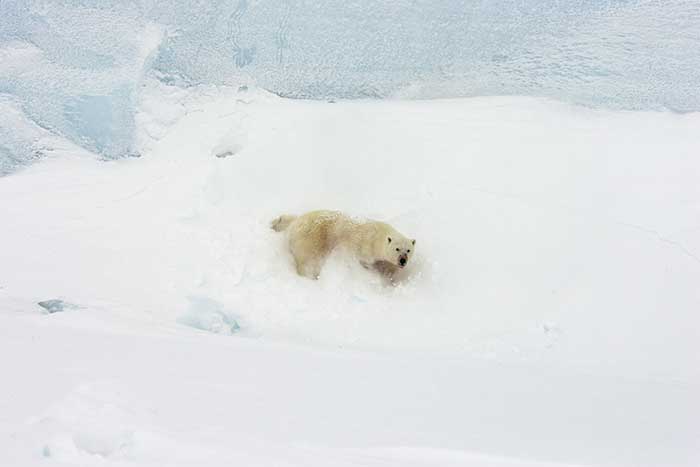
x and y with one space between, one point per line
310 268
309 252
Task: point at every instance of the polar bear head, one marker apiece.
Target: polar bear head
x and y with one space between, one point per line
398 249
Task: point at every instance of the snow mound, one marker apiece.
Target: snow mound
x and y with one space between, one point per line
209 315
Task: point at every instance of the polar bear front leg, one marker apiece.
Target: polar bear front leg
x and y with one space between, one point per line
385 268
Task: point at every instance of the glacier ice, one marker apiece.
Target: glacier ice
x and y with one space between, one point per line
76 67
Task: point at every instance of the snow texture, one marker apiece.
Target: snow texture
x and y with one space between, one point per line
75 68
550 316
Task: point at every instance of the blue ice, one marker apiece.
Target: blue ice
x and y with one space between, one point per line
76 67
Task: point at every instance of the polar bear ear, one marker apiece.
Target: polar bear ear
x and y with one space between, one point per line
413 242
389 238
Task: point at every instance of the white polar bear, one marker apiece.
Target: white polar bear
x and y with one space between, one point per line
314 235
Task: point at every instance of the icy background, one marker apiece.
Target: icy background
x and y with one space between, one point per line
549 318
74 68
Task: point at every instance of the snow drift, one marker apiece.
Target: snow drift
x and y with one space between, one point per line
550 314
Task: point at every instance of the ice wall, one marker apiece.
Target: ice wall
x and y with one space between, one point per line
75 67
72 68
634 54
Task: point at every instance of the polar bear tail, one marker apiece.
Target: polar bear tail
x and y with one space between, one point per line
282 222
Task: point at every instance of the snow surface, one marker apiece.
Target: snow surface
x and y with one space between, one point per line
550 316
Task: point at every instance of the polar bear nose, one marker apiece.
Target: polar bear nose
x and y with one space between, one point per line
402 260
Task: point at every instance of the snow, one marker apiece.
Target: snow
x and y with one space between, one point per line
209 315
549 318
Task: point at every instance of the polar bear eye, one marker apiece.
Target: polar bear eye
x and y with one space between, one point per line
409 251
397 249
389 238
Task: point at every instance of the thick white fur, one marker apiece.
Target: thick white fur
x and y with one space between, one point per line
312 236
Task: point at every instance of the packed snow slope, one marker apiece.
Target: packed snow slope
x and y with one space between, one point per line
550 315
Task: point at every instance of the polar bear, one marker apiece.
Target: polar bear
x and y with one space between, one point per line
312 236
